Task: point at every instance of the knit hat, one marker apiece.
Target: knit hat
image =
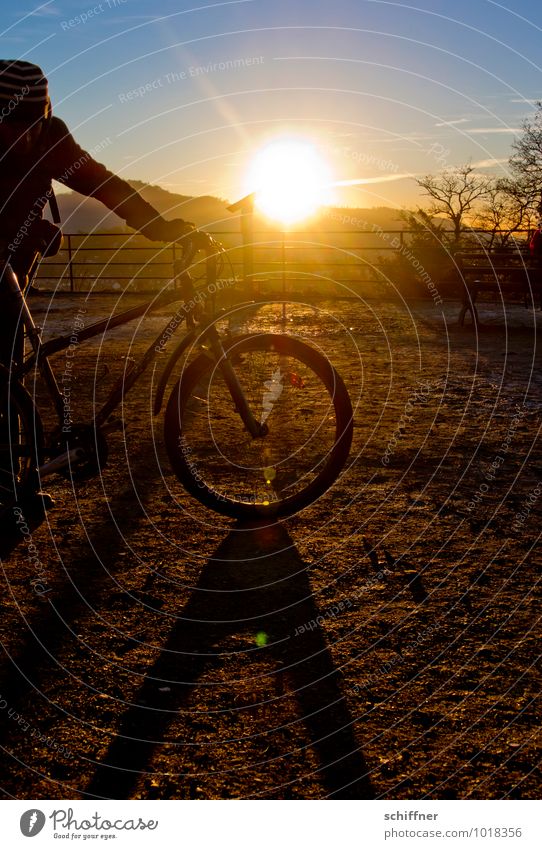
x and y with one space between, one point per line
24 94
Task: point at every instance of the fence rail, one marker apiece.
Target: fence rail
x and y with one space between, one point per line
109 262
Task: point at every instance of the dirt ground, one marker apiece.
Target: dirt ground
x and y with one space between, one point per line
383 642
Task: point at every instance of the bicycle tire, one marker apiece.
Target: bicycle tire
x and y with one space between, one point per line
204 437
21 440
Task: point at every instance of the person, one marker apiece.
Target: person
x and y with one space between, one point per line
36 147
535 244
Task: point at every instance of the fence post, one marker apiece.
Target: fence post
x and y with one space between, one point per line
70 265
246 208
283 256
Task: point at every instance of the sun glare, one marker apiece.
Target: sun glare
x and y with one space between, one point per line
290 180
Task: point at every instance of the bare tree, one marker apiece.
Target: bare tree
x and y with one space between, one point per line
454 193
424 228
507 209
526 161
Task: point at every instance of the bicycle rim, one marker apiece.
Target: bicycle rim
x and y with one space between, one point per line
290 388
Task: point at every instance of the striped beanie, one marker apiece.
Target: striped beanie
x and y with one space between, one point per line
24 93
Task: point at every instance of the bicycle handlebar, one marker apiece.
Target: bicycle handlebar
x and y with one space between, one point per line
196 241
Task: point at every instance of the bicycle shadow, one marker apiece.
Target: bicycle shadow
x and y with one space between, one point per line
256 572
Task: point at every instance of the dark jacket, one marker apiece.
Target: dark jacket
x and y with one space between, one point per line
25 186
535 245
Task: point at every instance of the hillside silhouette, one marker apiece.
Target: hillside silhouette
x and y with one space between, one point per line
81 214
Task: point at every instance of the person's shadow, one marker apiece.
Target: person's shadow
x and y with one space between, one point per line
18 520
255 580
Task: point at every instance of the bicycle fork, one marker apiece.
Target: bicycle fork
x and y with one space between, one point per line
252 425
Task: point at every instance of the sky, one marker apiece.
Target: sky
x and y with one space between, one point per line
184 95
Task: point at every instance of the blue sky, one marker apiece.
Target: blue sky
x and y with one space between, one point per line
183 94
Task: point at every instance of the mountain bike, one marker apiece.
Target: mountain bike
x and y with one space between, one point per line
257 425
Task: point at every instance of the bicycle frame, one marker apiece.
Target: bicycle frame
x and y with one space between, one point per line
79 449
42 351
184 293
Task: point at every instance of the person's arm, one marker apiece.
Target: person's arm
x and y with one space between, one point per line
75 168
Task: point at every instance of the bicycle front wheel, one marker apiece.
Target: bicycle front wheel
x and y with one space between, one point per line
21 440
291 389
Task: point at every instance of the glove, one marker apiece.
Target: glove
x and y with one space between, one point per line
161 230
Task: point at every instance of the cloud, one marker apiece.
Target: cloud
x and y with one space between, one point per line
45 11
452 123
385 178
489 163
494 130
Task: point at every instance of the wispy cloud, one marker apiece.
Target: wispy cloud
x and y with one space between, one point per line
530 101
365 181
37 11
47 10
494 130
489 163
452 123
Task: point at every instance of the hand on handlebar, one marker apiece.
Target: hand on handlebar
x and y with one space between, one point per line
178 230
200 240
161 230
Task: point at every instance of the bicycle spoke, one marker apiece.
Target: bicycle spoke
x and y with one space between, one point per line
284 393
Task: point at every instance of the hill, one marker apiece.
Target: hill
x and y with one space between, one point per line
83 215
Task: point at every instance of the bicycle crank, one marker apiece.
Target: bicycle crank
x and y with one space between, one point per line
78 455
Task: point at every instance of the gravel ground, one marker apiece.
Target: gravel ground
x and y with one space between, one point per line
382 643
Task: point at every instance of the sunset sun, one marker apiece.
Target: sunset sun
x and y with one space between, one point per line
290 180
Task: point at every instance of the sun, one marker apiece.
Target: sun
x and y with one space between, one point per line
290 180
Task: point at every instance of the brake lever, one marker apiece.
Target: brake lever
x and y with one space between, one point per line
190 247
217 246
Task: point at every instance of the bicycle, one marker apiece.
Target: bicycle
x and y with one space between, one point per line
256 426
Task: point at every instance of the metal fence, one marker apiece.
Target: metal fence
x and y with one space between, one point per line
330 260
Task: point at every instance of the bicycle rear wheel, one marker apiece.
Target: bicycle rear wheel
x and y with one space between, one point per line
291 388
21 440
